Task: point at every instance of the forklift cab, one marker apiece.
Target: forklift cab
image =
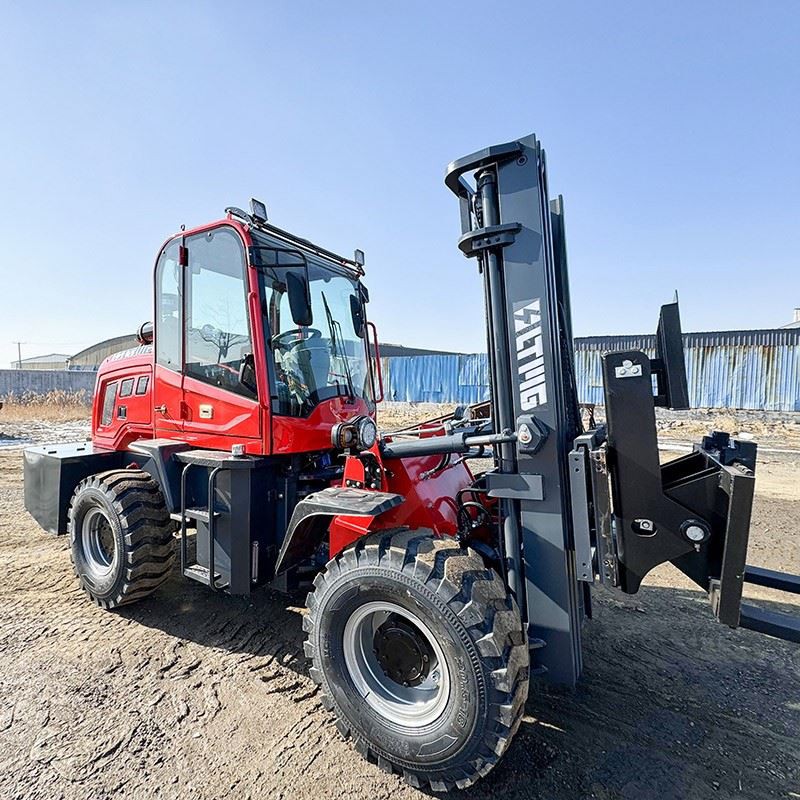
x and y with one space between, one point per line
261 339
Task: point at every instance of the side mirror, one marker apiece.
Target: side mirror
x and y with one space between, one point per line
357 313
299 299
247 372
144 333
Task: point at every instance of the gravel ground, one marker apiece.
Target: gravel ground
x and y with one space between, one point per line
194 694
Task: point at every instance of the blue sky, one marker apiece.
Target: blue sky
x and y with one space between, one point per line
672 129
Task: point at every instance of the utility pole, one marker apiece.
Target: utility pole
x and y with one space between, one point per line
19 354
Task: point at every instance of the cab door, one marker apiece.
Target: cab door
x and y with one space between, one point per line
167 394
219 408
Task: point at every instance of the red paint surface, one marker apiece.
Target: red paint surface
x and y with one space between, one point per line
429 501
171 409
174 400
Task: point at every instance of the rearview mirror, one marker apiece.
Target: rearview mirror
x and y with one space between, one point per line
357 313
299 299
247 372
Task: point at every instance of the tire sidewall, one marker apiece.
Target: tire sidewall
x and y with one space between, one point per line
108 586
460 726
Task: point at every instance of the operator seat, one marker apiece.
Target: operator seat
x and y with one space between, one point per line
312 362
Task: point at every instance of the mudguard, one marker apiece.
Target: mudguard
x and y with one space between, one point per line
313 514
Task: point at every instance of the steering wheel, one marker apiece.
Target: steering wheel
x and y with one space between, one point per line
288 339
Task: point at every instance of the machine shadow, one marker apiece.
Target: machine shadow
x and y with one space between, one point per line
666 709
265 624
665 690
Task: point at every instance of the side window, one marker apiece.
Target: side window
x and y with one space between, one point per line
217 331
168 308
109 398
126 388
142 383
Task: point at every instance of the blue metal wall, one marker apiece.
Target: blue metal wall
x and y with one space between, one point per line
436 379
726 369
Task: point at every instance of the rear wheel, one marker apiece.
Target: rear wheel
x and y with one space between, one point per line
120 536
419 650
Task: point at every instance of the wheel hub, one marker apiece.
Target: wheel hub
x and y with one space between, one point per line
98 543
402 653
396 664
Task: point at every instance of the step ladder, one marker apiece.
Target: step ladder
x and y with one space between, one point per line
208 516
201 507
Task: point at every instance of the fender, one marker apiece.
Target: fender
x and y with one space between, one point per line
313 514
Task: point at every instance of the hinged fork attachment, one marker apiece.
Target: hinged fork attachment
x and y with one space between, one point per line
693 511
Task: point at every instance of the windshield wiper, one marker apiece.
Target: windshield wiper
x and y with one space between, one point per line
337 347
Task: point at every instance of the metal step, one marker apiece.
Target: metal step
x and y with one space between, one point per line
534 642
199 573
198 514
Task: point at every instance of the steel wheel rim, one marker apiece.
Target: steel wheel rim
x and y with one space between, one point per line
366 641
99 543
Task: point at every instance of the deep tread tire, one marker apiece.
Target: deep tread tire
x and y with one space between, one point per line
476 622
142 532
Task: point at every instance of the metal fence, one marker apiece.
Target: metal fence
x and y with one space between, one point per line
437 379
726 369
20 382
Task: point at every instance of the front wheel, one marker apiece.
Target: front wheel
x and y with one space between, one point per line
419 650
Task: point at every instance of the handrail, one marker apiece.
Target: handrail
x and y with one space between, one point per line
377 361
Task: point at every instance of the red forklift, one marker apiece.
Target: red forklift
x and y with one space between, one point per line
241 436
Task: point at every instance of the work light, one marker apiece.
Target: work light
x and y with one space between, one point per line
258 210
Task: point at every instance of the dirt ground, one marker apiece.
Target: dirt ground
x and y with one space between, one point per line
193 694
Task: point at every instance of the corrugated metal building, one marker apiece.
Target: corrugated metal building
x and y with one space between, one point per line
92 357
46 362
725 369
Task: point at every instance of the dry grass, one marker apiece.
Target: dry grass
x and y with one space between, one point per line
52 407
784 432
777 429
392 416
768 428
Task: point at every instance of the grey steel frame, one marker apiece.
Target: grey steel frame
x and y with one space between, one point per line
510 226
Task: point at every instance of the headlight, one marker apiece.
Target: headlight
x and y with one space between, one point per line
366 433
360 433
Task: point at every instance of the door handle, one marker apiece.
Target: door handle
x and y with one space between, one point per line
160 409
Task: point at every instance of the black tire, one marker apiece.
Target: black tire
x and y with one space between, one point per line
446 593
121 536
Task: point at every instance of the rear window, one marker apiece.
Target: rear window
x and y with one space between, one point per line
109 398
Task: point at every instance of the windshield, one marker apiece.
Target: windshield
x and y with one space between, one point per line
320 361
